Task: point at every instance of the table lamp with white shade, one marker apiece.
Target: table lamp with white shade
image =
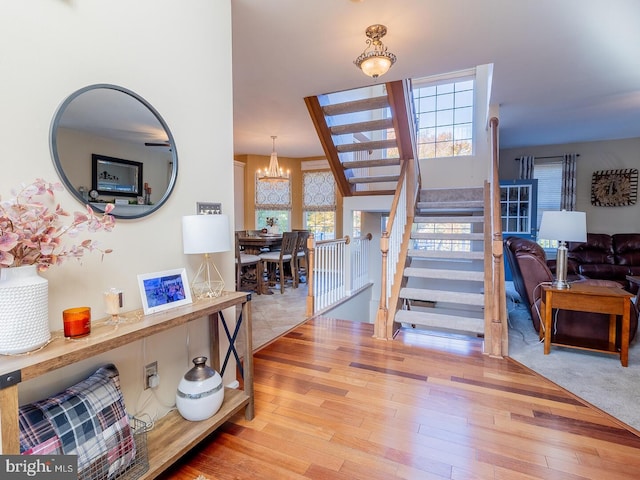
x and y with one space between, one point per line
563 226
206 234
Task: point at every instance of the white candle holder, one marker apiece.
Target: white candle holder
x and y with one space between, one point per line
113 302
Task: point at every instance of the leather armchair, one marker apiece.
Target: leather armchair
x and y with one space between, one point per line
529 269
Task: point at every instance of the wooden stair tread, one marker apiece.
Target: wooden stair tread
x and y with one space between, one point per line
372 125
451 274
380 162
446 254
366 146
446 236
374 179
449 219
356 106
438 320
429 295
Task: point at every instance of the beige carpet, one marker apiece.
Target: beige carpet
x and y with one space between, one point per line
595 377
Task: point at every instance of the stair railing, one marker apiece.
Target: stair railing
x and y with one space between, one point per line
393 247
496 329
337 269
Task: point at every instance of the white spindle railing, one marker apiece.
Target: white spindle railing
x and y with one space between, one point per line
359 249
395 236
338 268
329 285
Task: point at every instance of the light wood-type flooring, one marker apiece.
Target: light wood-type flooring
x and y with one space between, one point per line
334 403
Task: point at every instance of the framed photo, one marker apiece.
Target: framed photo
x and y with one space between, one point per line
164 290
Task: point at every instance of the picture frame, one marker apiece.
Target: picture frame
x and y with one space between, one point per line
116 176
164 290
614 188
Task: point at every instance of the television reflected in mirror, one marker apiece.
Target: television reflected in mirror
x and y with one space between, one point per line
116 176
124 129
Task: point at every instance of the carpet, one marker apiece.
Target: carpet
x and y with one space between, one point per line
598 378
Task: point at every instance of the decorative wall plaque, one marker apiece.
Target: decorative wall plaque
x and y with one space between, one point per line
614 188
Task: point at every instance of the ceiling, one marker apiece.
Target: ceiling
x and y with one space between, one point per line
564 71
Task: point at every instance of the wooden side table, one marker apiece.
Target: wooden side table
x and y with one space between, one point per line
589 298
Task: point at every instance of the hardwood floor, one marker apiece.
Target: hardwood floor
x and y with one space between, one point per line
333 403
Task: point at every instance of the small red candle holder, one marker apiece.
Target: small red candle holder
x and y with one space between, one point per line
77 322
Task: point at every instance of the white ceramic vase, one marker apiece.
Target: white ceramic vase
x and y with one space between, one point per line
24 310
200 392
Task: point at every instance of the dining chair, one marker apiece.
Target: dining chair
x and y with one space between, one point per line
277 260
302 255
245 278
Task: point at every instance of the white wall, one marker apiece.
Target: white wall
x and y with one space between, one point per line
176 55
594 156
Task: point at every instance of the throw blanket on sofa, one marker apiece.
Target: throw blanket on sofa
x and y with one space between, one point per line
88 420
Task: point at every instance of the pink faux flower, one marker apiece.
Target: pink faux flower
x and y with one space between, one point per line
31 233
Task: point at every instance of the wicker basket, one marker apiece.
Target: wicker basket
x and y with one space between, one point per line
138 466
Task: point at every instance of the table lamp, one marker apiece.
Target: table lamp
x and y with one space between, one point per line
206 234
563 226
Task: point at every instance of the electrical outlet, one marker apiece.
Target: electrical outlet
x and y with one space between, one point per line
150 372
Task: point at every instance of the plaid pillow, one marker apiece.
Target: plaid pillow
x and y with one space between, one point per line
88 419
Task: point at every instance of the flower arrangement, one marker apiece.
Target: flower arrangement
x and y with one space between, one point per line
271 221
31 233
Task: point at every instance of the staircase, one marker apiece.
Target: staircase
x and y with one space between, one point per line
366 134
443 283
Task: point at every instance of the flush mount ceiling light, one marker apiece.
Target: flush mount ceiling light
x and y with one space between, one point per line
375 60
274 173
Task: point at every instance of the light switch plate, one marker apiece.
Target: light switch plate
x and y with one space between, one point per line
208 208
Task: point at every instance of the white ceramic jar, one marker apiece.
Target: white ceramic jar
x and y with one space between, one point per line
200 392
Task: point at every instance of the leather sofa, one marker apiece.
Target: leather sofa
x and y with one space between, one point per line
606 257
529 268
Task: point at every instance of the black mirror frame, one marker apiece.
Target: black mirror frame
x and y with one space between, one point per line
58 165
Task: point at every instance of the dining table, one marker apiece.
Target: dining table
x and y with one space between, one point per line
255 244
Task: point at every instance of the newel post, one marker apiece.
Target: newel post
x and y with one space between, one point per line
311 247
380 328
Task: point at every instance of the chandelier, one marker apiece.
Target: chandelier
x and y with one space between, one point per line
274 173
375 60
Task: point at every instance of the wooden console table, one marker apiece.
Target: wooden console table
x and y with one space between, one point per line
172 436
589 298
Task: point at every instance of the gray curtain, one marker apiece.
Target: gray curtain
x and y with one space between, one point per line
568 199
526 167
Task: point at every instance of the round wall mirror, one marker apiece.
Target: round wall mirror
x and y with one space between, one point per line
109 145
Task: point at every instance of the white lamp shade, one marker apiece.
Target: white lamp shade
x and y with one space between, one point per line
563 226
205 234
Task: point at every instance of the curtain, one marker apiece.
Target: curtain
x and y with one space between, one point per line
272 195
526 167
568 200
319 191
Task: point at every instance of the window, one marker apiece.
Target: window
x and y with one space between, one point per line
444 111
273 199
549 176
322 224
319 204
281 216
357 224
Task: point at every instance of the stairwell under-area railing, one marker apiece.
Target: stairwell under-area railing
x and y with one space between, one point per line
338 269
